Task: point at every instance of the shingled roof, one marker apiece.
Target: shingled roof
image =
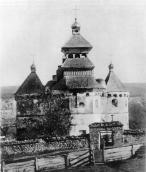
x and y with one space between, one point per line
60 85
81 82
50 84
113 82
77 41
78 63
75 82
106 124
31 85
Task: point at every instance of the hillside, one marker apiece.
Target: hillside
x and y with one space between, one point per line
136 89
8 91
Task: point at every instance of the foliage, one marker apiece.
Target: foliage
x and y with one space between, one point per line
137 115
55 120
58 116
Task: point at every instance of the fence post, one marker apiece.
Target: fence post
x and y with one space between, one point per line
66 161
132 150
2 165
36 164
90 149
103 151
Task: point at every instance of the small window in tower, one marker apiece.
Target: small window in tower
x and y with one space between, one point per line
115 102
77 55
87 94
81 104
102 95
115 95
84 55
120 95
70 56
109 95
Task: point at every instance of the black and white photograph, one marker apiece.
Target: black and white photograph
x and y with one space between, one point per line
73 85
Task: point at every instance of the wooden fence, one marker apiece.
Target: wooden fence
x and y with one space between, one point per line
49 162
120 153
25 166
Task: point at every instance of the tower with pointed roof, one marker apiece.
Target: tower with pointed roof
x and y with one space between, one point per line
27 99
117 99
32 84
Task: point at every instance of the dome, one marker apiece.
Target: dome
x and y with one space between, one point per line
75 27
75 24
111 67
33 68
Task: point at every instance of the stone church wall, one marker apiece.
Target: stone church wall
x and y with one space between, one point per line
86 103
115 107
116 103
81 123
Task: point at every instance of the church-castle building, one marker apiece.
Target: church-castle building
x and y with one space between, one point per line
90 99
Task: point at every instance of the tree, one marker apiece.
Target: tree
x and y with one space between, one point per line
58 116
4 130
137 115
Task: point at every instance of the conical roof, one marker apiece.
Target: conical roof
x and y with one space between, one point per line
77 41
31 85
113 82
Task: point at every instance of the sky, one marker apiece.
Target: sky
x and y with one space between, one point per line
37 29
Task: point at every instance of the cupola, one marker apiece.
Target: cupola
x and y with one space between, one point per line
111 67
75 27
33 68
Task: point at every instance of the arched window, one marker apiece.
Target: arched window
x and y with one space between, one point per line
115 102
81 104
87 94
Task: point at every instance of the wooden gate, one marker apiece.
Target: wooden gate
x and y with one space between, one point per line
83 158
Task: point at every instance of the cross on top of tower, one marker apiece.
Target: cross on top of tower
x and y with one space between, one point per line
33 67
75 11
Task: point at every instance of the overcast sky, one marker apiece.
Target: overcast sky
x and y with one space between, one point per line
30 28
